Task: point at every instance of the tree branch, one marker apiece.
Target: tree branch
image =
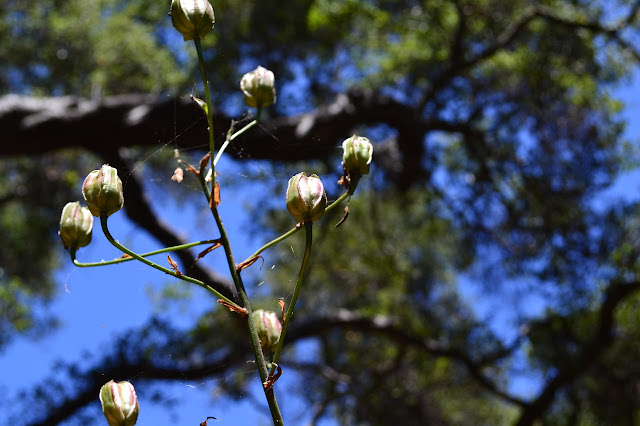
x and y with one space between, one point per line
592 351
134 364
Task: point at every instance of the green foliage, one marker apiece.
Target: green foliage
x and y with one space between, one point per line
29 195
94 47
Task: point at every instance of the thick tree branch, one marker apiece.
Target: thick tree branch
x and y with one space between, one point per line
32 126
39 125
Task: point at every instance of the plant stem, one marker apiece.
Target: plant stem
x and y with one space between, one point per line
207 96
253 332
105 229
295 229
235 274
126 259
231 138
287 318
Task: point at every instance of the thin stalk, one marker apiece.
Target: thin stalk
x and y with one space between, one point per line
295 229
126 259
105 229
235 274
231 138
253 332
287 318
207 96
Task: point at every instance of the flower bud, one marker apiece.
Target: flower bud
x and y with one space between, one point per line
76 225
268 327
102 190
306 199
258 88
119 403
357 155
192 18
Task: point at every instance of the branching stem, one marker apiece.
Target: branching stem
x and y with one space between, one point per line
308 227
105 229
126 259
235 274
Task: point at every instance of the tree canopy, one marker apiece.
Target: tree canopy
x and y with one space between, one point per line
494 128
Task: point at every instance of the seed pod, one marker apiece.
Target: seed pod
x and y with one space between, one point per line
357 155
268 327
102 190
76 226
192 18
119 403
306 199
258 88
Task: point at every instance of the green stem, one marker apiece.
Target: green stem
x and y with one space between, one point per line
231 138
126 259
295 229
105 229
294 298
207 96
253 333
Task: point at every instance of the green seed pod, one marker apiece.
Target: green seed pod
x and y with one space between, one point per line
119 403
102 190
192 18
268 327
306 199
357 155
76 226
258 88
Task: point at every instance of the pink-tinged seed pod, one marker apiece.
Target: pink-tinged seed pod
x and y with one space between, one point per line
306 199
76 226
357 155
192 18
102 190
258 88
119 403
268 327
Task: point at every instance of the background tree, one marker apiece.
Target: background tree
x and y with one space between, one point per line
496 131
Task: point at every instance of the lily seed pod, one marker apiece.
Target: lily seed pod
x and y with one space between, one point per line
268 327
192 18
357 155
258 88
306 199
102 190
119 403
76 226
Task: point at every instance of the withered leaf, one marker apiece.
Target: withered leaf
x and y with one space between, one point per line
174 265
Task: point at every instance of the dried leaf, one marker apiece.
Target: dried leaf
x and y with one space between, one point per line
204 161
234 308
272 378
216 195
281 303
248 262
174 265
207 251
346 214
192 169
205 422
